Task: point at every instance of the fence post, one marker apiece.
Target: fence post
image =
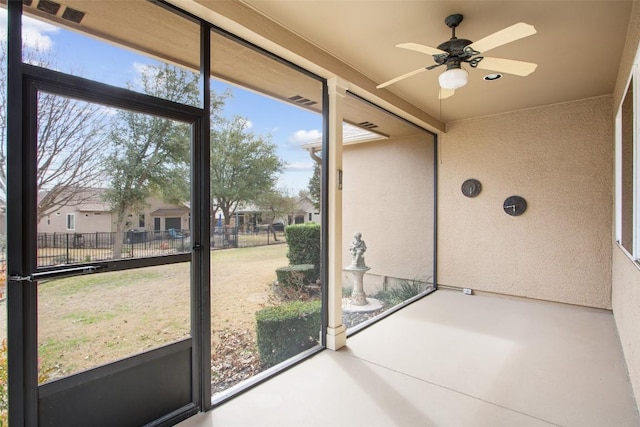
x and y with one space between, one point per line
268 235
235 230
67 248
131 240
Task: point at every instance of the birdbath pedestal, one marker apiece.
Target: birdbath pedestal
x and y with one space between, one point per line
358 297
358 302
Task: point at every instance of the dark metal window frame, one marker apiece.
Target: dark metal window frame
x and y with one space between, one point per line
24 82
36 80
22 294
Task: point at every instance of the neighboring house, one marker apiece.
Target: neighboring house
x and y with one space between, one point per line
162 216
249 217
94 215
85 213
306 212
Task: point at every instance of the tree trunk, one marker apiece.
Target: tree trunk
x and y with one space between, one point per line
227 215
118 238
273 230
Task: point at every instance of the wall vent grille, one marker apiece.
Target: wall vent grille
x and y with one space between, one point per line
367 125
73 15
298 99
48 6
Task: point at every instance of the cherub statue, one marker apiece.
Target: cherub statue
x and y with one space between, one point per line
357 249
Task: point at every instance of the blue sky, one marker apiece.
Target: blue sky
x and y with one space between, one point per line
289 126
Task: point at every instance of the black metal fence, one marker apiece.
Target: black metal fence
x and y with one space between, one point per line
72 248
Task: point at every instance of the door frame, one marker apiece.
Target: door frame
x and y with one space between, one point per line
185 388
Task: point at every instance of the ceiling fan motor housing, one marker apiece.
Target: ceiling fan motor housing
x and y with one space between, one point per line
455 47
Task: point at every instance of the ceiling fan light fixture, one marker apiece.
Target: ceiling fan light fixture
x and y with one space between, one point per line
453 78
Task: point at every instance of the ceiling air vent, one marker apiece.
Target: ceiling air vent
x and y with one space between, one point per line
73 15
302 100
367 125
48 6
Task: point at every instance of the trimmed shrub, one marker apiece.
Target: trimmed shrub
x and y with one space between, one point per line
304 244
286 330
294 276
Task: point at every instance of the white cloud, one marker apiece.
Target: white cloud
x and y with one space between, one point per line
140 68
248 124
35 34
304 136
299 166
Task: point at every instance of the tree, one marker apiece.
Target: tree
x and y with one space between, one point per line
276 204
244 166
70 136
314 186
151 155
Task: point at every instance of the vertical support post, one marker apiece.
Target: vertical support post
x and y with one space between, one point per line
336 332
22 334
201 232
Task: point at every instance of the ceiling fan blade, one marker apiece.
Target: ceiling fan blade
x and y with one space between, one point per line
504 36
509 66
421 48
402 77
446 93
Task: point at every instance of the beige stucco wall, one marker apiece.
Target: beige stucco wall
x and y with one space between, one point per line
560 159
151 204
388 197
626 310
626 274
86 222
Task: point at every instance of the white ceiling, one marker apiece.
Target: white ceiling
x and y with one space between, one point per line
577 47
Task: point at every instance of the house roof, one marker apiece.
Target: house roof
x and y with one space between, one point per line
94 207
87 199
169 212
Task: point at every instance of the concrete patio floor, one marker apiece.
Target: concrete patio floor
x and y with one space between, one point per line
454 360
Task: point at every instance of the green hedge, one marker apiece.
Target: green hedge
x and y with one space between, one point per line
286 330
304 244
290 275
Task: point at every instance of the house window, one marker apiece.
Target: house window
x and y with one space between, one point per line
310 216
628 172
141 220
71 221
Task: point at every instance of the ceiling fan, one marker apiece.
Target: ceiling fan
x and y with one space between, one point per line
454 52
